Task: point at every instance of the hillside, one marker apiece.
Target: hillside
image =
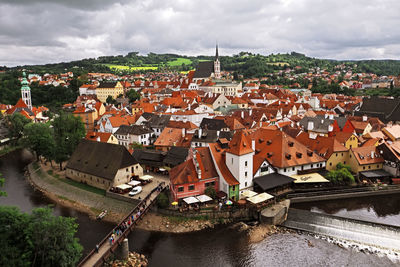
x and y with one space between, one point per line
246 64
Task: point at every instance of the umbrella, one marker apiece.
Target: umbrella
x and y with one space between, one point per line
174 203
228 202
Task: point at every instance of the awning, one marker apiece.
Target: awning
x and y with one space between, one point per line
375 174
134 183
204 198
247 193
260 198
146 177
123 186
309 178
190 200
272 180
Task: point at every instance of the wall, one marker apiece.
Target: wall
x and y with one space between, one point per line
92 180
337 157
244 214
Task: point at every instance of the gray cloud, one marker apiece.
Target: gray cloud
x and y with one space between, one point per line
46 31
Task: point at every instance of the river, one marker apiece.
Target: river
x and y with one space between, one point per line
222 246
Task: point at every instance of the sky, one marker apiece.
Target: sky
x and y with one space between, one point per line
49 31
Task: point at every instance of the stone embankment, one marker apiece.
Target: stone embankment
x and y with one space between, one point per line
134 260
259 232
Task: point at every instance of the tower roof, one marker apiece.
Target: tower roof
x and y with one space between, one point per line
239 145
216 51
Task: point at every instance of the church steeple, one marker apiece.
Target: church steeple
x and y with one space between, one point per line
217 67
26 92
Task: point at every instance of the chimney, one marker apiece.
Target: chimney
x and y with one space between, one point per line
218 134
200 131
253 144
326 116
183 132
330 128
331 116
98 139
364 118
310 125
372 154
242 114
251 112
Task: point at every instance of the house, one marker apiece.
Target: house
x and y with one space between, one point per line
101 137
215 100
393 132
319 125
390 151
386 109
192 177
153 160
214 124
105 89
129 134
102 165
348 139
365 159
88 115
171 137
202 138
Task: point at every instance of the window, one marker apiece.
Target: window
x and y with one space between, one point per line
127 170
232 161
245 163
191 187
369 167
245 174
350 155
284 170
312 165
363 167
245 184
330 164
233 188
264 169
342 154
293 168
180 189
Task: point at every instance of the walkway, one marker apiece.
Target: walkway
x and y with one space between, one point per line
122 230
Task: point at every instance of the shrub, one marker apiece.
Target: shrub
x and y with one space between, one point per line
162 200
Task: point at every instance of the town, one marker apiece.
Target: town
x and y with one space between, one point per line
209 141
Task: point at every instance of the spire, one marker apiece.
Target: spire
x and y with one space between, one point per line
216 51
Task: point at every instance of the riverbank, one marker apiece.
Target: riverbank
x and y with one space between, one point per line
77 198
134 260
8 149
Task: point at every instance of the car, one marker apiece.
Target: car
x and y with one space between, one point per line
136 190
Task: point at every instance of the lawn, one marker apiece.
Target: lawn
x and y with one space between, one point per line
179 61
123 67
84 186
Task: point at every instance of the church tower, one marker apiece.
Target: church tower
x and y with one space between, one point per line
217 67
26 92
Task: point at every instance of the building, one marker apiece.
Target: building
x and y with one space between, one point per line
102 165
101 137
386 109
128 135
393 132
208 69
365 159
192 177
105 89
26 92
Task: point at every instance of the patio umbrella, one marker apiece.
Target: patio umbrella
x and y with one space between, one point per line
228 202
174 203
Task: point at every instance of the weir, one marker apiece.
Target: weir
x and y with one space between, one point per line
363 232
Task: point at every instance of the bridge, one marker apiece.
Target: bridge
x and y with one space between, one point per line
122 230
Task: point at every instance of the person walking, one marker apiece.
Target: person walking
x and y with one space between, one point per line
97 248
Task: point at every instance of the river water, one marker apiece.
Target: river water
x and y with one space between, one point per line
222 246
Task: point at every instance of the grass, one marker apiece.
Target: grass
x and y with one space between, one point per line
84 186
179 61
65 198
123 67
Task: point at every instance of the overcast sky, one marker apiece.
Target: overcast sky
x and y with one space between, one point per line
47 31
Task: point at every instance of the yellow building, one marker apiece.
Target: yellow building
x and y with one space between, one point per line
365 159
349 140
102 137
105 89
88 116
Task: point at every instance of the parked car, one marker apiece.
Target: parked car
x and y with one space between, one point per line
136 190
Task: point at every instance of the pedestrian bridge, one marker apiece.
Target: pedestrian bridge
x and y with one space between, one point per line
124 228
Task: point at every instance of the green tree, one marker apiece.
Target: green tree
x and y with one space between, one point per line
68 132
39 138
162 200
110 100
133 95
16 124
210 191
37 239
342 175
2 181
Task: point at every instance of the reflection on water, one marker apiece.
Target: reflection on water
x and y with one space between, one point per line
381 209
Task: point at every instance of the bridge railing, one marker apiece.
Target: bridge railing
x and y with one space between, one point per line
161 187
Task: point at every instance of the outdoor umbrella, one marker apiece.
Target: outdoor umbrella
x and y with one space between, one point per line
228 202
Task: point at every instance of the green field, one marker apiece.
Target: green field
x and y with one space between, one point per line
179 61
122 67
280 64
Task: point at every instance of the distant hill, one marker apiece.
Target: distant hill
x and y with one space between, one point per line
244 63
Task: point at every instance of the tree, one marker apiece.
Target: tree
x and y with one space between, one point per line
39 138
133 95
110 100
37 239
136 145
2 180
210 191
342 174
16 124
68 132
162 200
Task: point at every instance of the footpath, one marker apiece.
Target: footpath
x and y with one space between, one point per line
78 198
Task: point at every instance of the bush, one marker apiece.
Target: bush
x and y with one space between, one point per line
162 201
210 191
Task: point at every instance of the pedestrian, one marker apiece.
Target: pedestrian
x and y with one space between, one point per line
219 206
97 248
110 239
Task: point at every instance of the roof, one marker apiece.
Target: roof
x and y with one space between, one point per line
132 130
272 180
213 124
94 135
176 155
152 158
393 131
342 137
218 154
386 109
367 155
204 69
376 174
324 146
320 123
100 159
184 173
239 145
107 85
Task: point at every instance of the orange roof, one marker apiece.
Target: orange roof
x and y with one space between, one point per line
367 155
218 155
181 124
94 135
239 145
324 146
